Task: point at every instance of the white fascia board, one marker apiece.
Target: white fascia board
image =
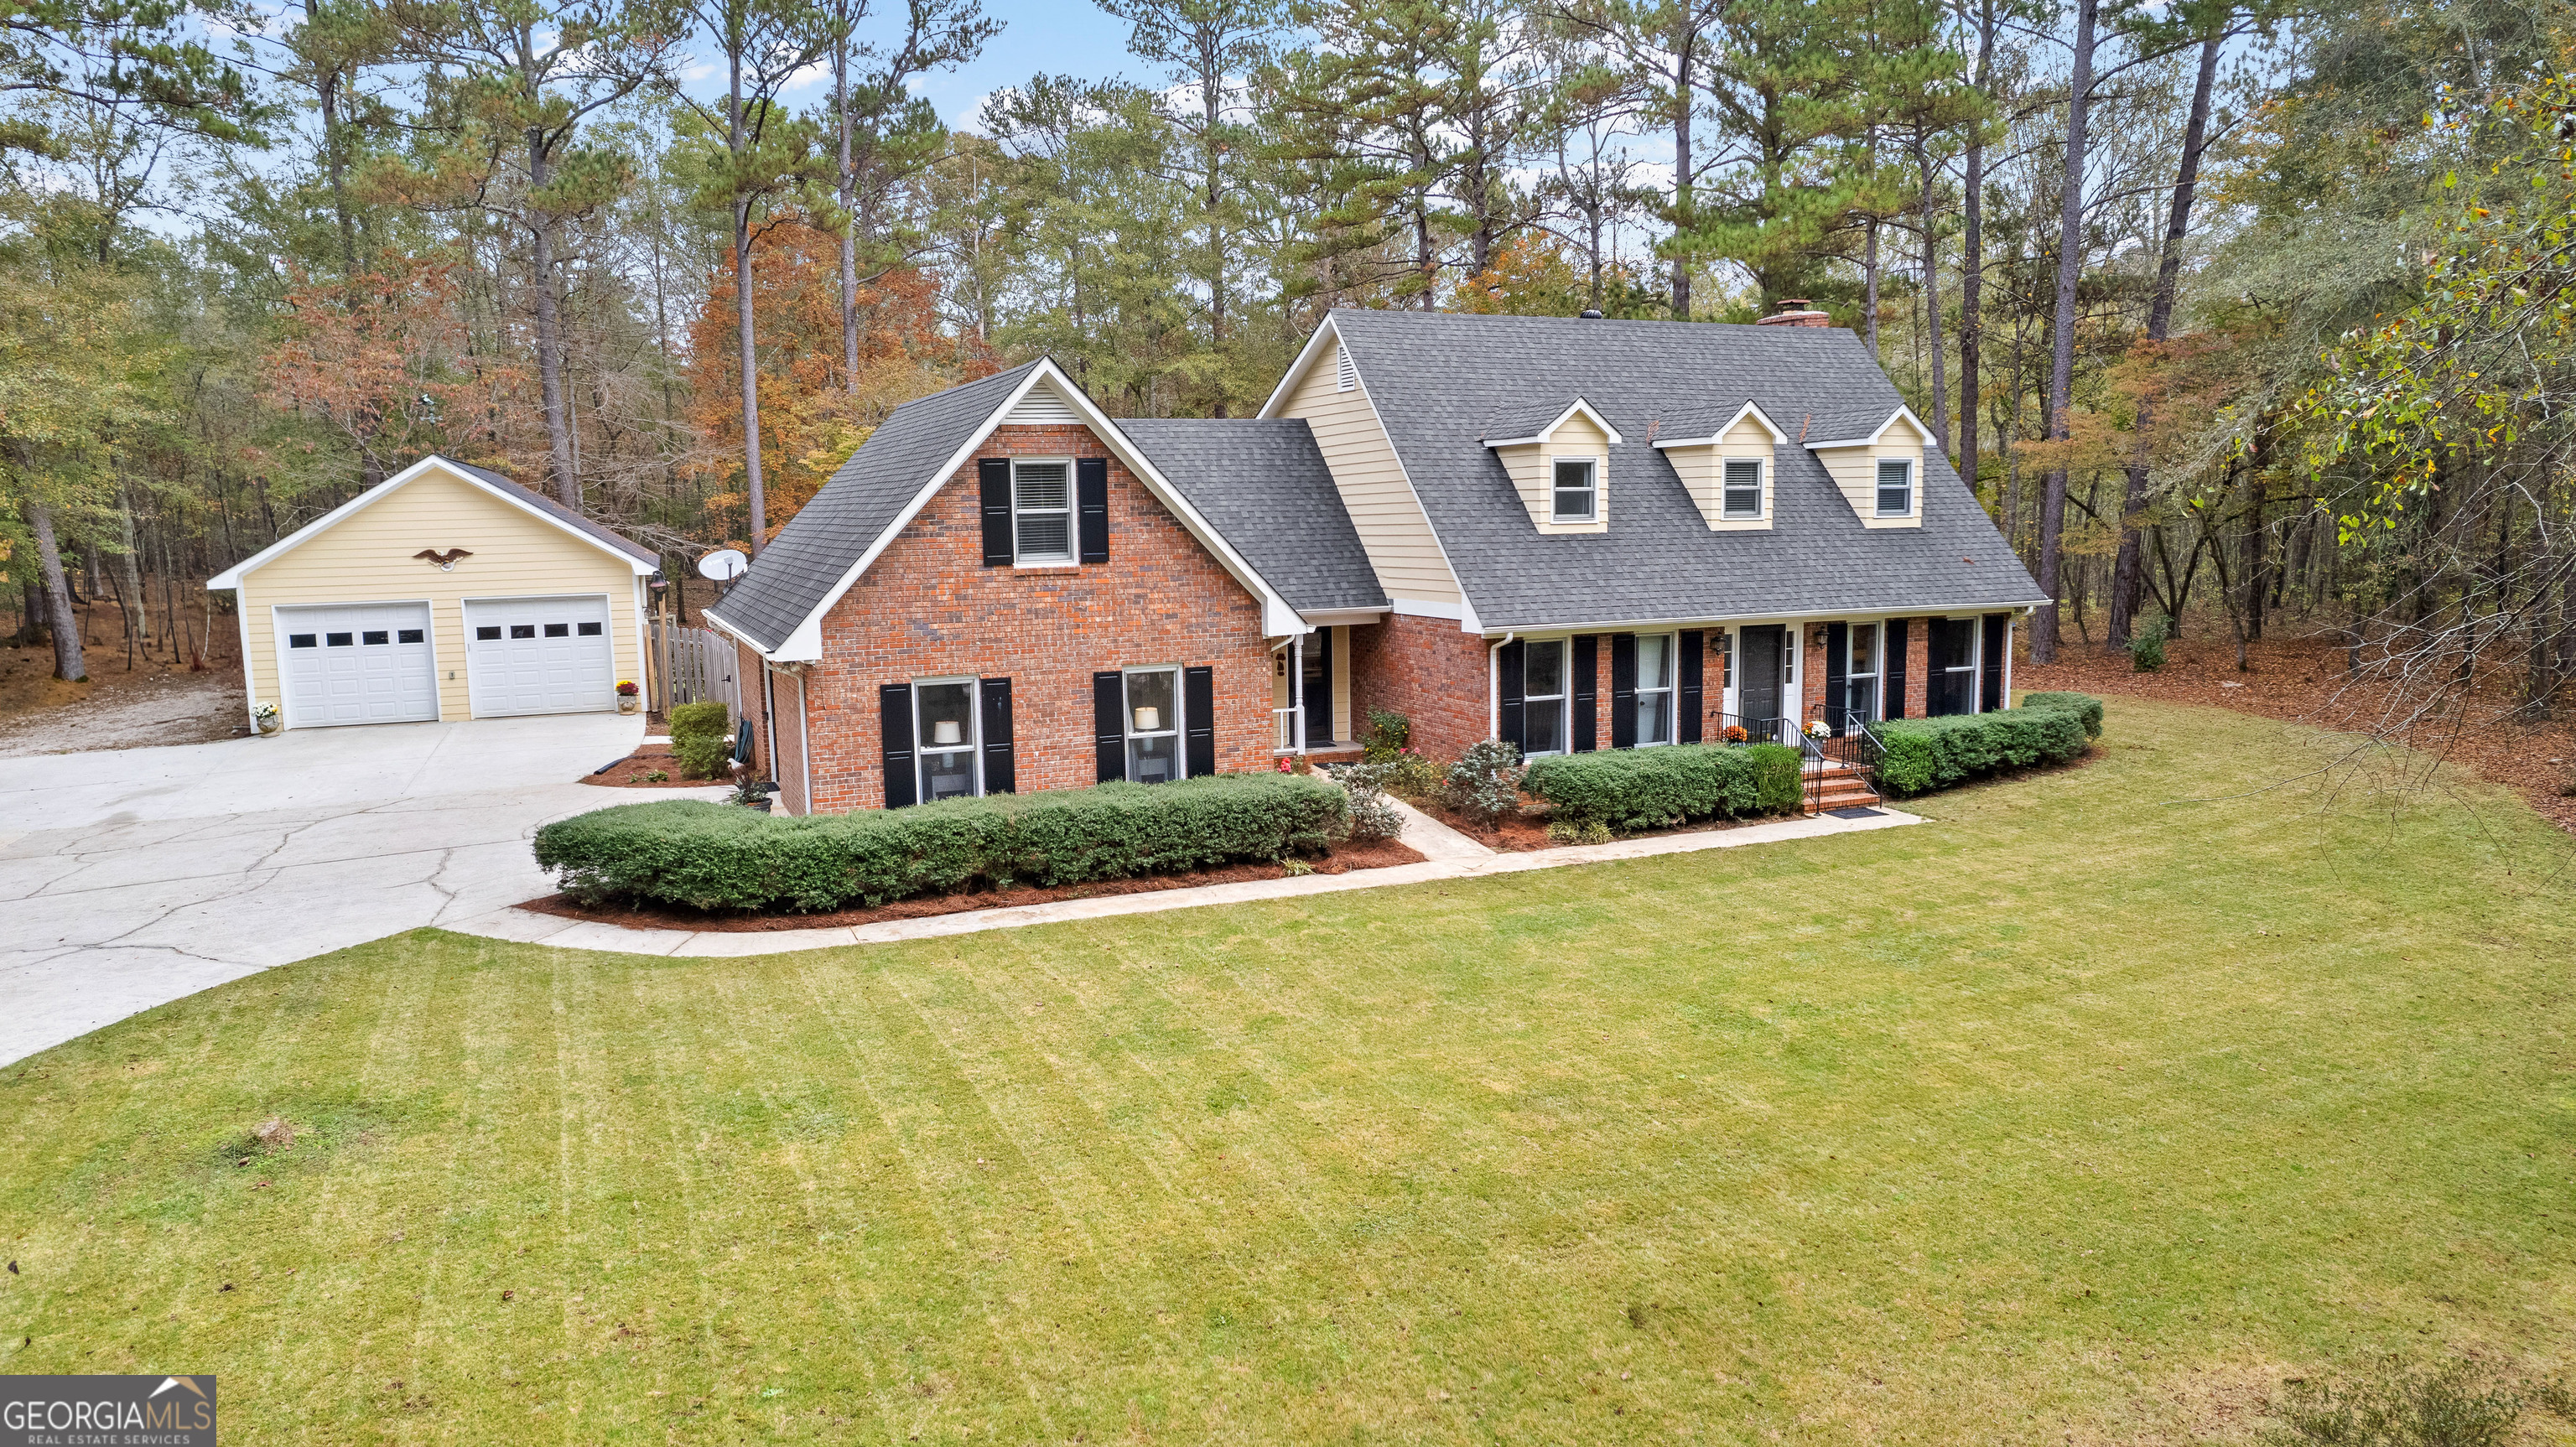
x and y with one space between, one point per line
804 644
1337 617
1544 433
1872 439
1297 369
1748 410
231 577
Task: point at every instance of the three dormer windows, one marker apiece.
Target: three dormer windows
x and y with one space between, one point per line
1742 497
1577 492
1895 486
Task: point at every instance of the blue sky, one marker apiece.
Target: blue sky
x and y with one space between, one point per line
1068 37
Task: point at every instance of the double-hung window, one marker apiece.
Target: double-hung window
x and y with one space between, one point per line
1743 491
1895 486
1153 725
1860 679
1655 669
1577 491
1042 511
1954 666
944 729
1543 674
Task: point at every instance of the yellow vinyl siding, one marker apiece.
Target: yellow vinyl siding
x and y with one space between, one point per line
1392 529
1855 471
1533 470
367 558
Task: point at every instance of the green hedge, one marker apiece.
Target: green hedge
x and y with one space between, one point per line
716 857
2086 707
702 738
1924 754
1651 788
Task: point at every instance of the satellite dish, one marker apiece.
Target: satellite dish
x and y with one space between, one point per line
724 564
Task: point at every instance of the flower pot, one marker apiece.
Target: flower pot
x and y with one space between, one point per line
270 728
629 703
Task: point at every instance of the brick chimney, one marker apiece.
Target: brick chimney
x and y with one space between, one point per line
1793 312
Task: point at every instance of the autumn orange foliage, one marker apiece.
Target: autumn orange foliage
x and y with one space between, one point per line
811 420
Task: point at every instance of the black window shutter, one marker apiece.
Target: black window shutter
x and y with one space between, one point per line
1109 723
1991 696
1837 673
894 725
996 477
1623 690
1198 721
1001 760
1514 728
1892 690
1686 728
1586 711
1091 503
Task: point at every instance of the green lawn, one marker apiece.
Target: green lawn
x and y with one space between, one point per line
2085 1111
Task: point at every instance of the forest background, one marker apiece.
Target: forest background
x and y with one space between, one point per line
2232 311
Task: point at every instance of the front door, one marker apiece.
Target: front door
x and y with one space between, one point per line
1757 680
1319 688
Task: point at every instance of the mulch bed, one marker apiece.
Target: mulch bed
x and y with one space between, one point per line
644 761
2301 679
1343 860
1527 831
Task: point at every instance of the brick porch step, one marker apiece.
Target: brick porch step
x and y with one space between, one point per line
1843 786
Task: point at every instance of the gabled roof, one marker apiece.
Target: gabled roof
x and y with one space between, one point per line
1438 379
634 554
1520 426
778 606
1862 429
1693 429
1265 486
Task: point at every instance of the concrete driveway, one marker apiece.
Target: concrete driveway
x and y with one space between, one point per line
132 878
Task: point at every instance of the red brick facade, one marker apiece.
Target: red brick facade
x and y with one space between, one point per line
1429 671
929 608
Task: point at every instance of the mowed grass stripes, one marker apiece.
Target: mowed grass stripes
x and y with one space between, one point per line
2089 1109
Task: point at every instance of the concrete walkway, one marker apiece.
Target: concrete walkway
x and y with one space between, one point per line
132 878
1447 853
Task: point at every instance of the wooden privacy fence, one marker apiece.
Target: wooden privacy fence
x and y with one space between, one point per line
692 665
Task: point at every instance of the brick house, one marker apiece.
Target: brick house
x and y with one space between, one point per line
1569 533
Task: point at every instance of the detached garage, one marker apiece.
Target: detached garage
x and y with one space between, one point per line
443 592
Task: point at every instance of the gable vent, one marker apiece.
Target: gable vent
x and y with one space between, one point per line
1350 374
1042 407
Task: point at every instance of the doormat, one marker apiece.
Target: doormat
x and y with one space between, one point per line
1856 813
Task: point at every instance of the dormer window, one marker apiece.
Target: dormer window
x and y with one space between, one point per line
1743 492
1577 490
1895 486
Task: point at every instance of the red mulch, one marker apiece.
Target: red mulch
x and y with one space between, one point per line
1344 859
2301 679
644 761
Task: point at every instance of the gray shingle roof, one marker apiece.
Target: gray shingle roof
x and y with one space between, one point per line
1263 485
1439 380
818 545
613 538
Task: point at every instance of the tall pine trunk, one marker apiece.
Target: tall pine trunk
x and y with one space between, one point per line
1932 296
1972 257
2129 567
2061 363
849 194
550 359
1681 168
746 336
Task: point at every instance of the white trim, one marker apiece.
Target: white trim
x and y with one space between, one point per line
232 577
1305 358
1341 617
1871 440
805 742
1425 608
1564 695
804 643
1778 437
921 747
1544 433
1072 557
1591 488
1878 487
1761 490
1180 722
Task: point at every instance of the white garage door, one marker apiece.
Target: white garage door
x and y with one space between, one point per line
539 655
360 663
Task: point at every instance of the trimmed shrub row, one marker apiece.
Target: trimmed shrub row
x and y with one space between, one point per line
1924 754
710 856
1653 788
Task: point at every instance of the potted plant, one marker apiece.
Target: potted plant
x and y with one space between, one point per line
1819 729
1735 733
630 699
264 714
